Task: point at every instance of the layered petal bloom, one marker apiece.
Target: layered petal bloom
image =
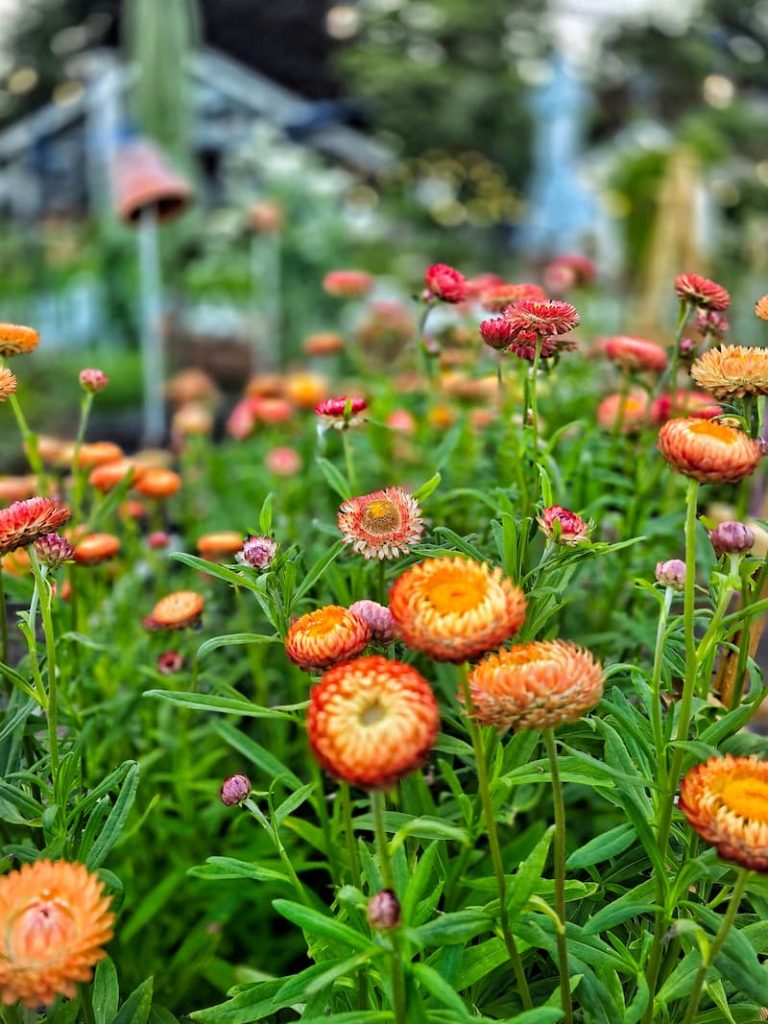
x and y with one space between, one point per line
176 611
93 380
454 608
257 552
15 339
725 800
635 353
54 550
106 477
707 451
54 921
378 617
563 526
341 412
158 482
24 521
8 383
384 524
326 636
446 283
496 297
732 371
700 291
371 721
535 686
541 319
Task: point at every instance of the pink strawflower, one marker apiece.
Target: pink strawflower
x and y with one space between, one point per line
235 790
701 292
283 461
378 617
446 283
257 552
712 322
381 525
347 284
543 319
524 346
24 521
401 419
341 412
635 353
563 526
93 380
158 540
496 332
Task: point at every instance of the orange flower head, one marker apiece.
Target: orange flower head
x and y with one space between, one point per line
535 686
176 611
732 371
220 545
54 920
347 284
16 563
106 477
16 340
306 389
381 525
96 548
708 451
632 411
24 521
17 488
761 308
323 343
98 454
371 721
191 385
635 353
726 801
8 383
326 636
193 419
157 482
454 608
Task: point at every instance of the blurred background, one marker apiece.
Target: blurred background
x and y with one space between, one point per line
194 167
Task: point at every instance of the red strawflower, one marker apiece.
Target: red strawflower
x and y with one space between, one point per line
446 283
701 292
563 526
341 412
496 332
541 318
24 521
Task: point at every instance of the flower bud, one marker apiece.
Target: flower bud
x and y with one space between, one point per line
378 617
53 550
257 552
384 910
731 538
235 790
169 663
93 380
563 526
671 573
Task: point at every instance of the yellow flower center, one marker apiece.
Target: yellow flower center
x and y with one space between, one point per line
325 621
717 431
381 516
373 714
748 798
452 594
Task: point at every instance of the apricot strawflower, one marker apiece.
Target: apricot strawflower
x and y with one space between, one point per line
496 297
708 451
326 636
630 411
635 353
535 686
371 721
381 525
54 921
98 453
323 343
16 340
454 608
701 292
8 383
106 477
761 308
24 521
178 610
96 548
157 482
17 488
725 800
732 371
220 545
347 284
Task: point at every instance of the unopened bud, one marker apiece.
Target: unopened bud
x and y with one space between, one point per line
732 538
378 617
93 380
53 550
235 790
384 910
671 573
257 552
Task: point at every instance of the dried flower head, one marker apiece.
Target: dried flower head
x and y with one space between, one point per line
535 686
445 283
16 340
219 545
630 412
708 451
178 610
701 292
563 526
378 617
454 608
541 319
54 920
726 801
347 284
671 573
93 380
342 412
732 371
635 353
24 521
235 789
54 550
381 525
371 721
96 548
325 637
732 538
257 552
8 383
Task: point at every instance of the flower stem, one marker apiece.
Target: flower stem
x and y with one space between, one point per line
714 949
658 661
562 941
29 440
44 597
78 472
534 373
349 835
378 807
493 842
349 461
682 318
3 622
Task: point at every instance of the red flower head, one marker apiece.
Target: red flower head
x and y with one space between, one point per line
24 521
381 525
445 283
496 332
563 526
524 346
341 412
701 292
541 319
635 353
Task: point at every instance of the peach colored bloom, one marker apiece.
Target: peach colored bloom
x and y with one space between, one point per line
24 521
157 482
631 411
17 488
535 686
635 353
106 477
54 920
725 800
220 545
381 525
732 371
708 451
761 308
371 721
96 548
306 389
191 385
454 608
323 343
15 340
98 453
8 383
283 461
176 611
347 284
326 636
265 217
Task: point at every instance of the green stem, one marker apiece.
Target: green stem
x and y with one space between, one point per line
378 807
741 664
274 835
714 949
3 622
349 835
559 849
493 841
658 661
78 472
44 597
349 461
533 374
29 440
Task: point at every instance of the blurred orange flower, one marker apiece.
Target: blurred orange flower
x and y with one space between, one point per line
326 636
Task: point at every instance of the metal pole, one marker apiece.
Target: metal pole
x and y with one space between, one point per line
152 342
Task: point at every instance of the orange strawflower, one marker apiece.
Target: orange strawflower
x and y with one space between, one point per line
106 477
306 389
24 521
381 525
157 482
726 801
16 563
98 453
326 637
632 410
17 488
323 343
635 353
96 548
176 611
8 383
708 451
454 608
54 920
371 721
535 686
191 385
732 371
761 308
15 340
220 545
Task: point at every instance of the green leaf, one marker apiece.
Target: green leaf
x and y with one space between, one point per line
292 802
428 488
317 570
448 929
221 705
315 923
528 874
256 754
265 516
234 640
221 868
212 569
150 905
543 1015
135 1009
602 847
115 823
437 986
335 479
106 992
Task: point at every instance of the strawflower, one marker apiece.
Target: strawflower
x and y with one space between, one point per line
371 721
445 283
732 371
498 296
219 545
16 340
326 636
24 521
698 404
563 526
235 789
707 451
378 617
341 412
701 292
54 550
257 552
178 610
8 383
635 353
631 411
671 573
541 319
732 538
384 524
93 380
96 548
454 608
347 284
